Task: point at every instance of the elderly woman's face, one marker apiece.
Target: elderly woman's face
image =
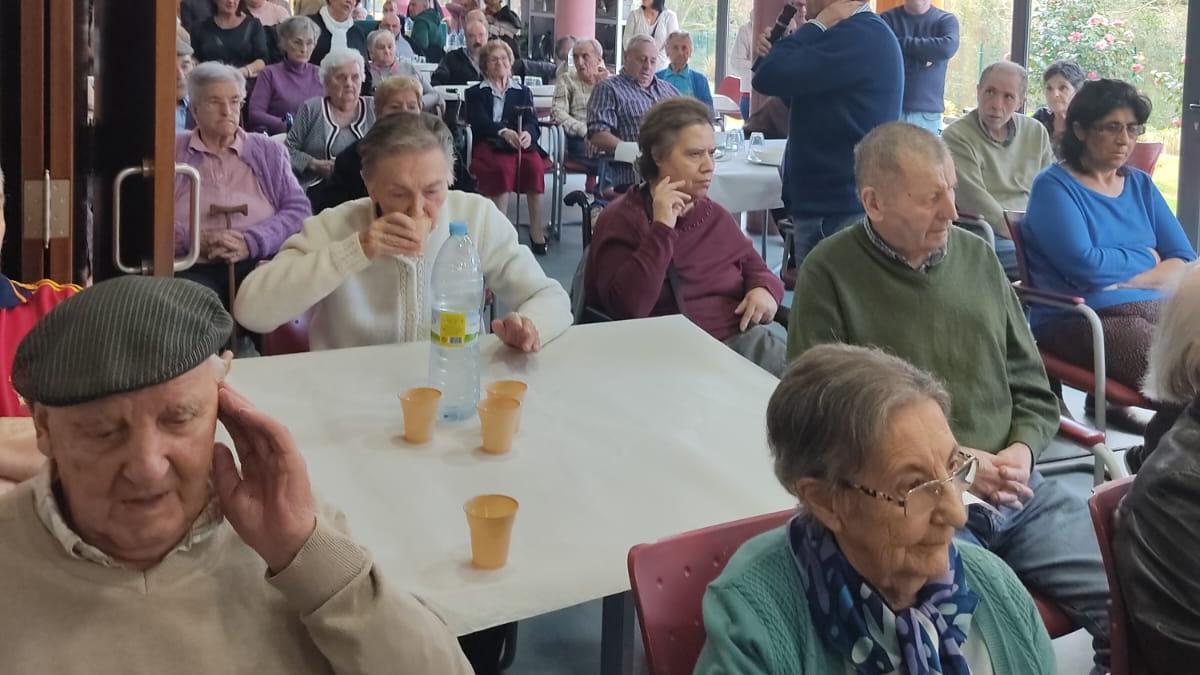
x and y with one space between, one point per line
135 467
218 110
344 83
340 9
383 52
1059 93
400 102
690 160
1109 141
414 183
899 553
300 47
499 65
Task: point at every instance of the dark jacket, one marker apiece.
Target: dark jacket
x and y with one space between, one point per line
356 38
1157 548
485 130
343 185
455 68
237 47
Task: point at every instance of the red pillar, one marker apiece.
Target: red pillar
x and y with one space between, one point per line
575 17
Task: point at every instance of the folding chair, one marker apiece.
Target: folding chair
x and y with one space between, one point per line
1103 507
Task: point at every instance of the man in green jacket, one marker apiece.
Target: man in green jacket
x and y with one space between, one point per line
426 37
907 281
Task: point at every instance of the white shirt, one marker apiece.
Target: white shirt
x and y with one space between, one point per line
666 23
742 56
337 29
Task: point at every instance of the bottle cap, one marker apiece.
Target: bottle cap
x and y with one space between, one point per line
458 229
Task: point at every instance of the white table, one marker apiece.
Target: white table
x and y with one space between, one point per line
742 186
632 431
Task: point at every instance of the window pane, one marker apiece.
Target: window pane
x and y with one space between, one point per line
1141 43
985 36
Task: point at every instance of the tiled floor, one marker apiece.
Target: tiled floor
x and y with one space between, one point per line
568 641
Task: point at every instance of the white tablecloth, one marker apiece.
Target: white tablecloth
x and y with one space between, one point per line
741 186
632 431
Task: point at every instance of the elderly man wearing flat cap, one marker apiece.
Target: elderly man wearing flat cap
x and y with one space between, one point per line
142 548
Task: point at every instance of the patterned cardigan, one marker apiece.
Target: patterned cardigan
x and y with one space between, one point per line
315 135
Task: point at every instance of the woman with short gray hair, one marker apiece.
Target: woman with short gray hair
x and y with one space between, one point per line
283 87
866 578
385 65
325 126
362 269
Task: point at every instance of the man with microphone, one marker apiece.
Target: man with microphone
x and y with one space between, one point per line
842 74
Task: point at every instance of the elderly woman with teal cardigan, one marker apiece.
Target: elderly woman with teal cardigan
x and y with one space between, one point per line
866 579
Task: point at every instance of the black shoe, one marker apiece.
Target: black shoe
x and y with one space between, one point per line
539 249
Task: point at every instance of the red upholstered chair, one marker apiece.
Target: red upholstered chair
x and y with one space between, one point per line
1056 621
290 338
1102 388
1145 156
731 86
1103 505
669 578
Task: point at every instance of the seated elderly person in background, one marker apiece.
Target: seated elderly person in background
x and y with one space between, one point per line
395 95
689 82
236 170
394 24
460 66
867 577
283 87
364 267
268 12
427 36
384 65
183 67
572 91
1098 229
618 103
21 306
506 157
233 37
1061 80
337 30
664 247
908 281
1158 524
325 126
998 152
563 47
141 518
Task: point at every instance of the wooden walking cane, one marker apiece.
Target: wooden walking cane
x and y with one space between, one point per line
228 212
521 109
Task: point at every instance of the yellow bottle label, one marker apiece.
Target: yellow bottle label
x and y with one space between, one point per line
454 329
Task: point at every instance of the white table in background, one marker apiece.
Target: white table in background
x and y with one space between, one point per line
742 186
632 431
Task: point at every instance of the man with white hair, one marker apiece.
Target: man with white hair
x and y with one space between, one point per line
906 280
572 91
618 103
998 153
143 547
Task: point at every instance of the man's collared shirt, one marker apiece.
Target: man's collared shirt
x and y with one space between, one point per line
866 7
930 262
1010 129
681 80
617 106
498 96
571 96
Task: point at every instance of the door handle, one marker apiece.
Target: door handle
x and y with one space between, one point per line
1194 106
193 220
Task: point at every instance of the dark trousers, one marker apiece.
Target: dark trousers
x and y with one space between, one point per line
1128 330
215 276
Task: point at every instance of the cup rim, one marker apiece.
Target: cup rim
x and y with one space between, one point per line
495 403
496 497
523 386
421 393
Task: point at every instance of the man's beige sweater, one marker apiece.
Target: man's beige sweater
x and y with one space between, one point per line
208 609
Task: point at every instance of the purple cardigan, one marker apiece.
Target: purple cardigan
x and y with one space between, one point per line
270 164
281 88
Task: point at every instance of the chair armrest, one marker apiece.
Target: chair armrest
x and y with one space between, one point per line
1045 297
1079 433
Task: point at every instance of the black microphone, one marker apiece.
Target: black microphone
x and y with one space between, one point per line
781 25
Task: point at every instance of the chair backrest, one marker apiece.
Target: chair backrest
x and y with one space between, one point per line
1103 506
290 338
731 86
1145 156
669 578
1014 220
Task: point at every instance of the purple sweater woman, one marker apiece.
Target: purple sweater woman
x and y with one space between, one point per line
283 86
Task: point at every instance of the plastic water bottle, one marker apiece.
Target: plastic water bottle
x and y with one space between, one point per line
457 297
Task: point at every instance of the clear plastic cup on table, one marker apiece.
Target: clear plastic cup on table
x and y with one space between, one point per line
733 142
757 144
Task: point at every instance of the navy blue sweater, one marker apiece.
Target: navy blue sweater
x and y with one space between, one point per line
927 41
842 83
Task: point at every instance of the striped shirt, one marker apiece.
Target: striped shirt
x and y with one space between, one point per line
617 106
930 262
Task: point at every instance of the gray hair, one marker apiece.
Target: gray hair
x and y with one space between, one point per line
182 48
377 35
294 26
337 58
214 72
640 39
1008 67
877 156
397 134
594 44
835 404
678 35
1173 374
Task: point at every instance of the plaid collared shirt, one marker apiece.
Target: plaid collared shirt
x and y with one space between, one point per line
617 106
933 260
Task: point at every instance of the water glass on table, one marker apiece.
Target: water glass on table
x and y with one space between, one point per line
757 143
733 142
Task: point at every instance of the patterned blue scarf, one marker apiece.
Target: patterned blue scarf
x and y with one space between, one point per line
855 620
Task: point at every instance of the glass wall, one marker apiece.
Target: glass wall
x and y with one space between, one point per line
985 36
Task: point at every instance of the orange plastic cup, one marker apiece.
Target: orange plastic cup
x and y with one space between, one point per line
514 389
490 519
420 412
498 420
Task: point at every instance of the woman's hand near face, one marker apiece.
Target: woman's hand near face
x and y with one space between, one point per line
394 234
758 306
669 202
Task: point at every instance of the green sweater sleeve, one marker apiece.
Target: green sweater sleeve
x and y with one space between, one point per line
1035 412
735 636
816 315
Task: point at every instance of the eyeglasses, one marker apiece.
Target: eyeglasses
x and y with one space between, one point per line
1114 128
923 499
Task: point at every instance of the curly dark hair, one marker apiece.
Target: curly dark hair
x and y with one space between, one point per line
1092 103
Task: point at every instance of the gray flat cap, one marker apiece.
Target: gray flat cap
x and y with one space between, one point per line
119 336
